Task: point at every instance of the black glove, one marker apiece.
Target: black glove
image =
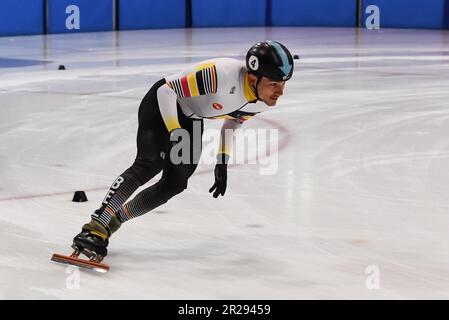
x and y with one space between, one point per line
221 175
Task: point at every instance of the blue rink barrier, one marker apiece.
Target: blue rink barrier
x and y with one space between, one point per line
228 13
21 17
151 14
68 16
316 13
431 14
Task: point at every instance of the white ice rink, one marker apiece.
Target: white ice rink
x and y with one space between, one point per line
361 188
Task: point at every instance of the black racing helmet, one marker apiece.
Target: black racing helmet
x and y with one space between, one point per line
270 59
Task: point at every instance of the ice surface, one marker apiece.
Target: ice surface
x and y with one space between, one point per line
362 178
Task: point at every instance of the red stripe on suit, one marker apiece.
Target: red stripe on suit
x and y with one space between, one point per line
185 87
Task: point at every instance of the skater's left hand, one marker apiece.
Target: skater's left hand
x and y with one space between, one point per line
221 175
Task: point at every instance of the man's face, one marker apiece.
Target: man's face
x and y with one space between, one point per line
269 90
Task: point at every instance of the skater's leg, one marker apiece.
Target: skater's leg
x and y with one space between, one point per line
152 197
147 164
95 236
173 181
151 140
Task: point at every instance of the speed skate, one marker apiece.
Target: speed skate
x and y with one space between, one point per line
93 262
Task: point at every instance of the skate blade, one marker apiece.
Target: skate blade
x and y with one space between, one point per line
99 267
91 255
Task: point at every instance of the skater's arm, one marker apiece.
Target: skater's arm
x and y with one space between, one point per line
228 130
167 100
224 151
199 81
227 135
